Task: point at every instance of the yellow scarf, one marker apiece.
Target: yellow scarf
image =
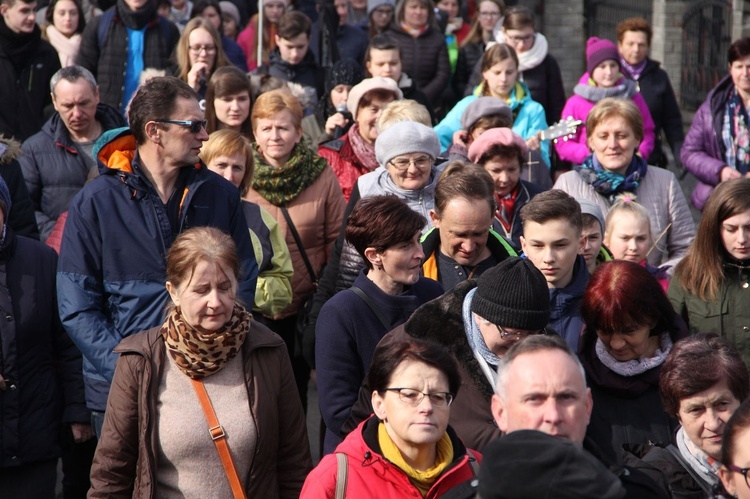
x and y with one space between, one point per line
423 480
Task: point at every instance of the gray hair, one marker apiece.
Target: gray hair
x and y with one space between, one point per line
71 74
535 343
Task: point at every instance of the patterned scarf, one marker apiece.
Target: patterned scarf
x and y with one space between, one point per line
608 183
422 480
282 185
199 354
634 71
734 133
703 464
505 206
624 89
364 151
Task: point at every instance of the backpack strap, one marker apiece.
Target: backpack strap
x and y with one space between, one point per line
342 471
473 462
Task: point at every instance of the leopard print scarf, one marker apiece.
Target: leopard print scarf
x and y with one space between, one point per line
200 354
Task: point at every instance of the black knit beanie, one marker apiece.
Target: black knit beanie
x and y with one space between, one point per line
513 294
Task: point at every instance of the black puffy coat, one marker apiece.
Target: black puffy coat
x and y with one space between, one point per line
24 91
657 91
425 60
39 362
53 168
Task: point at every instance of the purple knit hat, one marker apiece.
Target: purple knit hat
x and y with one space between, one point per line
598 51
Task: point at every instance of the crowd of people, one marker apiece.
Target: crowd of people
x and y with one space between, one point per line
205 210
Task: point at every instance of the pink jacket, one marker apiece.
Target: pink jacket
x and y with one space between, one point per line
575 148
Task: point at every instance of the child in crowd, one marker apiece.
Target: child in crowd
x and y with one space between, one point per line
592 235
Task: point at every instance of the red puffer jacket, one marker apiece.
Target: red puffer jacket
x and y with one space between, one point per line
370 475
344 161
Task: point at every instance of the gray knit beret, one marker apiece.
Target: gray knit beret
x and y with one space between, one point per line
405 138
485 106
513 294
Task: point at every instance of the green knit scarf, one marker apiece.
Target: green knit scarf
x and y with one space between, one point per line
280 186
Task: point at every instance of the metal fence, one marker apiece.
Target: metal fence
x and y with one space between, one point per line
706 36
603 16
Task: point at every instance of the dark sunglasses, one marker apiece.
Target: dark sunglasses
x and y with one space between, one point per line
194 126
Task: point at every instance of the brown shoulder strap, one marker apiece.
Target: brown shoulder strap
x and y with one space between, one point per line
219 438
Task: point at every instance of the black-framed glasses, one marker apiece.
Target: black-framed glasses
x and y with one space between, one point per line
517 335
422 163
195 126
741 471
197 49
489 15
520 39
415 397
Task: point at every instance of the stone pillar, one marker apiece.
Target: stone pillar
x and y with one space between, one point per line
564 29
666 45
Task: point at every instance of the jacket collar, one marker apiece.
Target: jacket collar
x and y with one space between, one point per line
106 115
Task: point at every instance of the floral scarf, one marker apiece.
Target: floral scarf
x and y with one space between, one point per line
282 185
611 184
364 151
735 134
199 354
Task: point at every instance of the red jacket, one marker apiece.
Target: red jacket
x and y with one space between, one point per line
372 476
344 162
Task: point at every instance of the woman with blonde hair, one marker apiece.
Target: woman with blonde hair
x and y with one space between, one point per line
302 193
710 285
230 155
209 357
199 54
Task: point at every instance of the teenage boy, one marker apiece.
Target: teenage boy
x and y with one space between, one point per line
551 240
592 237
292 60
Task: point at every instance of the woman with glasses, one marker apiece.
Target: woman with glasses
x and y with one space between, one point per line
199 54
735 454
537 68
478 322
487 19
385 232
407 448
630 329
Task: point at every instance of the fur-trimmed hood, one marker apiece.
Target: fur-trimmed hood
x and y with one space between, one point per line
10 150
441 321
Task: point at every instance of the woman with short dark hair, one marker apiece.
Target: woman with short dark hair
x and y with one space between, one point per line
630 329
385 232
717 146
407 448
702 382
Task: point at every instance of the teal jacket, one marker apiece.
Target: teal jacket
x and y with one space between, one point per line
528 117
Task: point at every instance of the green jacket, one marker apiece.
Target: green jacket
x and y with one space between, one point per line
728 315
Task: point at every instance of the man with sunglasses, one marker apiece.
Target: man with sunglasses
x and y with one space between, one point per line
152 186
477 321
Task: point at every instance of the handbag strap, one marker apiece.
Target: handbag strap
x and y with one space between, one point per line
219 438
298 240
703 484
375 310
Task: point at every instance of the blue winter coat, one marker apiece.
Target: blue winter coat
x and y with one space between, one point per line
565 305
528 117
111 272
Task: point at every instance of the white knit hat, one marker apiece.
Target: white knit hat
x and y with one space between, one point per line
364 86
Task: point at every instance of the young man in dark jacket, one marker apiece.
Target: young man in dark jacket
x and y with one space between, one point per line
152 187
26 64
58 161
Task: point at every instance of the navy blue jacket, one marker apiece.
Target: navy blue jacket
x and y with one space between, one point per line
346 334
40 364
111 272
565 305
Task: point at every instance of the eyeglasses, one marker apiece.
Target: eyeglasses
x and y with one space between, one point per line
196 49
415 397
194 126
422 163
741 471
520 39
517 335
489 15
